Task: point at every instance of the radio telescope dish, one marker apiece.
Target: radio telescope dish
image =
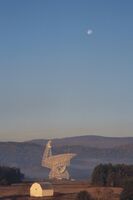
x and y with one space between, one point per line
61 169
56 163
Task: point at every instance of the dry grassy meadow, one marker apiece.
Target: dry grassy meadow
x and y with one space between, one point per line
63 191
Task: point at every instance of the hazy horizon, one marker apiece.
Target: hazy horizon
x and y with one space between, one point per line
66 68
21 139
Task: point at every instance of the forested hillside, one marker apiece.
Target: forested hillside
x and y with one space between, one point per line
27 156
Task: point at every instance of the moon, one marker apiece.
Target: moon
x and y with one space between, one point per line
89 32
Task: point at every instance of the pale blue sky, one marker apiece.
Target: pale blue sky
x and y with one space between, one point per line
55 80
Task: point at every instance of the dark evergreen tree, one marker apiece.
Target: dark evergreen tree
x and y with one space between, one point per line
111 175
84 195
127 193
10 175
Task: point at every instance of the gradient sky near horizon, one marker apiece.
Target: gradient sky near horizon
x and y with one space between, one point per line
56 80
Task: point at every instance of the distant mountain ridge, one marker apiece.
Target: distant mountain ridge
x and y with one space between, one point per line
90 150
88 140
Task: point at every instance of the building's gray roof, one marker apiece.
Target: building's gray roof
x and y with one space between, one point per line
46 185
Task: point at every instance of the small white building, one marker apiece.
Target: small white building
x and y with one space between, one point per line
41 189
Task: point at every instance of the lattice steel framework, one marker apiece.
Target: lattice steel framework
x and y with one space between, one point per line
57 163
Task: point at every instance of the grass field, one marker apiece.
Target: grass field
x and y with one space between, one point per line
62 191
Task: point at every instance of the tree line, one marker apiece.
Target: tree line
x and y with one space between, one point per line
108 176
10 175
111 175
